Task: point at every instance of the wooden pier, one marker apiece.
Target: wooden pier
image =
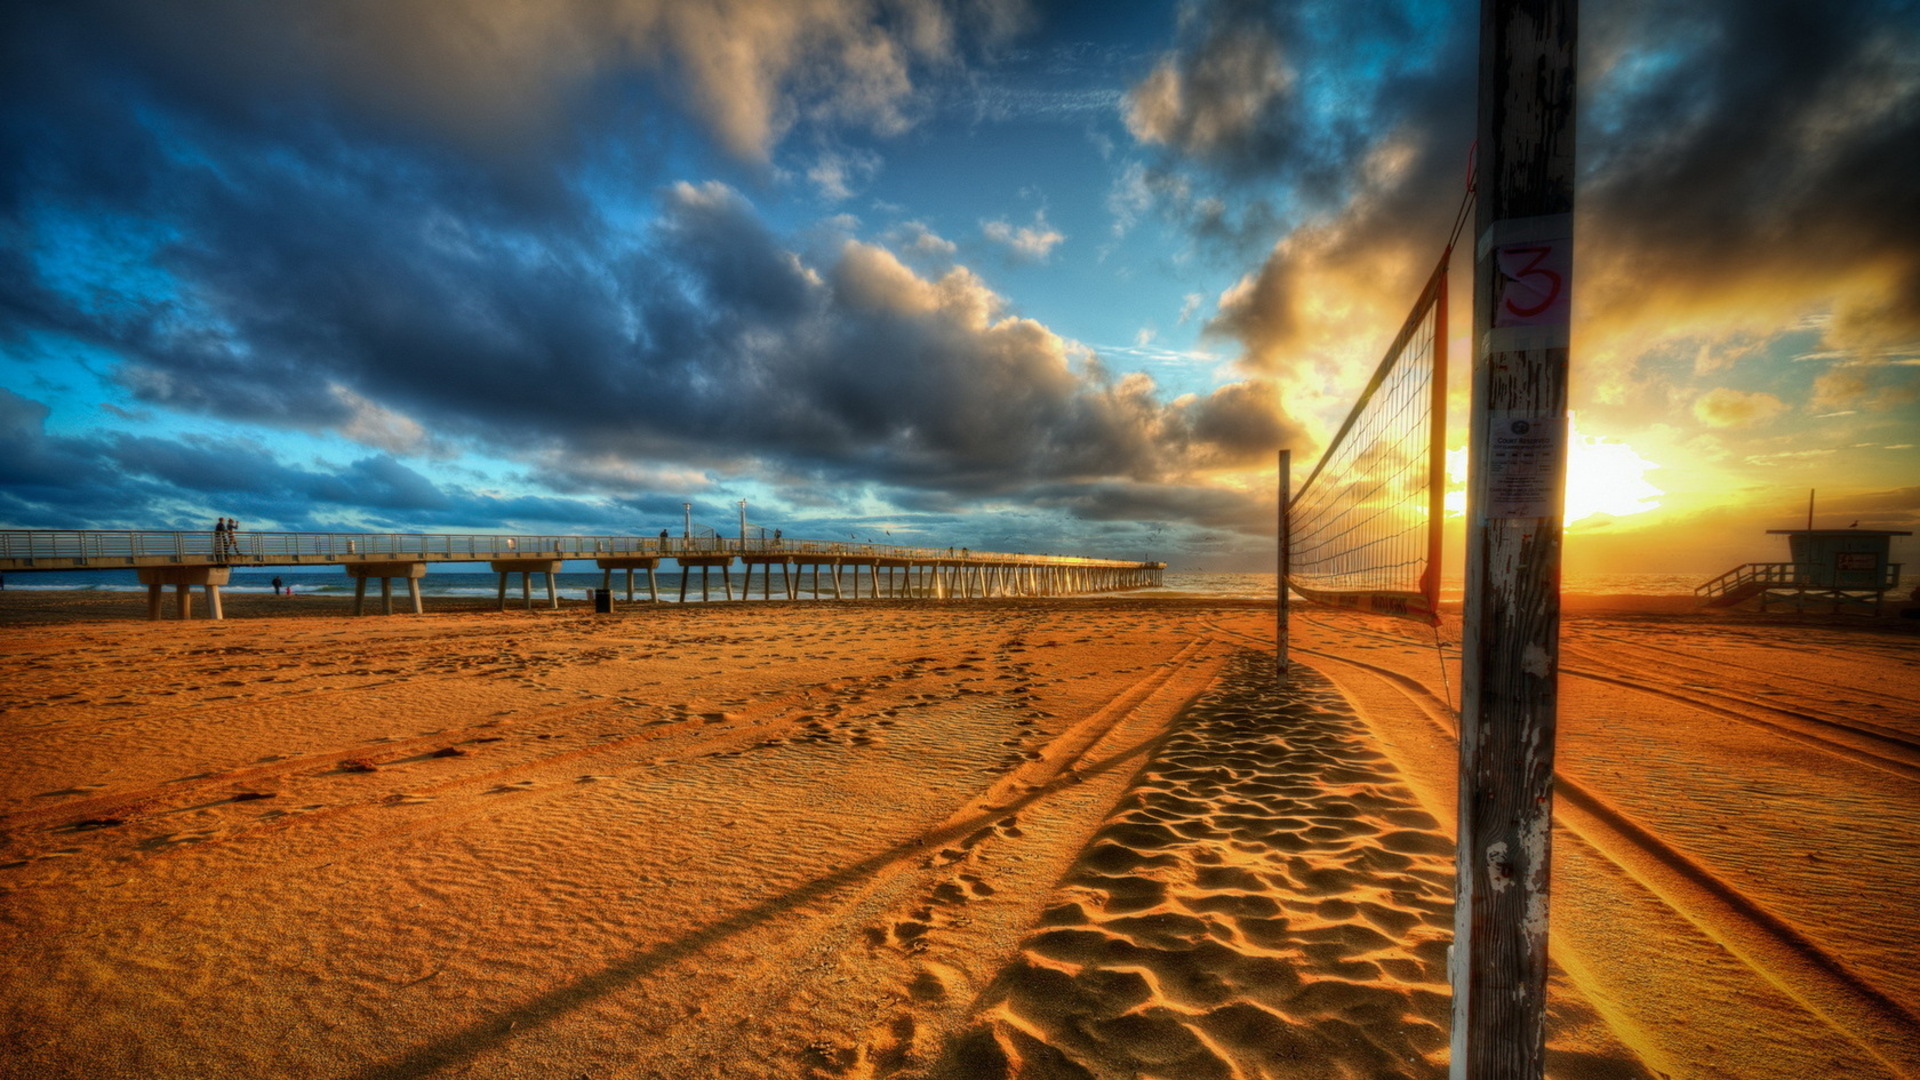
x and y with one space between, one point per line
184 560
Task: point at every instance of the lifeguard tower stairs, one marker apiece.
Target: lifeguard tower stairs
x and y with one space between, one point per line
1836 569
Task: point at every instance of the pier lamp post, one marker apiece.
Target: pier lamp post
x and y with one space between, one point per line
686 533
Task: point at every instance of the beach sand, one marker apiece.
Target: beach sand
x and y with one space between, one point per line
1074 838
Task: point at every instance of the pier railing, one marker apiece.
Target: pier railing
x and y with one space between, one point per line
63 549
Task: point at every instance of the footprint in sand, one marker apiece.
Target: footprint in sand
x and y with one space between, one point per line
1247 905
910 934
934 982
962 889
945 857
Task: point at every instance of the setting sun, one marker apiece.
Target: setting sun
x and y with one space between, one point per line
1604 479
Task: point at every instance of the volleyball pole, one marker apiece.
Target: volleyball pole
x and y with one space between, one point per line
1283 568
1517 446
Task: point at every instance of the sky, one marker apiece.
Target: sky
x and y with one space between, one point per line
1051 277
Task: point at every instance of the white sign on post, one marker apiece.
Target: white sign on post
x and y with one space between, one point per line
1533 282
1525 456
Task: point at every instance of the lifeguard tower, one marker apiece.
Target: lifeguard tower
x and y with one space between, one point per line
1844 569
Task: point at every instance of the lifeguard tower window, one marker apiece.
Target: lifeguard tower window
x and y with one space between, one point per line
1843 568
1839 558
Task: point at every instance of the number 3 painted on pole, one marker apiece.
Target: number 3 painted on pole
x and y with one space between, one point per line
1533 284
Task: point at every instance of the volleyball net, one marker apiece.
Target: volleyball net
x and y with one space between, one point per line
1364 530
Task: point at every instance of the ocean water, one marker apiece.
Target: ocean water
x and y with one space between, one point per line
446 581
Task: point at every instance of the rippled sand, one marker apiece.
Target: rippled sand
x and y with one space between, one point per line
1048 839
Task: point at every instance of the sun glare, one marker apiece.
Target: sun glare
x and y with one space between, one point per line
1604 479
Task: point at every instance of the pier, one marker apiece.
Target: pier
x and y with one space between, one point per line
206 560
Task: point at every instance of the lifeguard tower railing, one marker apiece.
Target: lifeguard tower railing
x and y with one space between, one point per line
1754 579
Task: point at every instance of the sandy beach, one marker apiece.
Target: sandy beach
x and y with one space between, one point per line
1072 838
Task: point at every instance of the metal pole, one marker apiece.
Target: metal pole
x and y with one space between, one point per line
1284 566
1516 487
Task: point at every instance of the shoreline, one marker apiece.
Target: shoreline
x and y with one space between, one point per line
56 606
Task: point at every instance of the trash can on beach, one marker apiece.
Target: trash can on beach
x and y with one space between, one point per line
602 601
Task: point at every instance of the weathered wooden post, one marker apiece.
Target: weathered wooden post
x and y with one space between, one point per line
1517 453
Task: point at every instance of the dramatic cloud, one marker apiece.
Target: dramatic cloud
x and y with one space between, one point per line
302 302
119 481
1226 99
500 75
1754 158
1742 166
621 253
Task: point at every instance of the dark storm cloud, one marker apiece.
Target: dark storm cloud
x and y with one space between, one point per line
1350 149
1267 113
1194 507
711 342
32 459
1243 420
118 481
1731 149
1732 155
1230 95
313 254
915 381
507 80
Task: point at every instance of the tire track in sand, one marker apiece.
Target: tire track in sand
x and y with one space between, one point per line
1773 948
899 931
